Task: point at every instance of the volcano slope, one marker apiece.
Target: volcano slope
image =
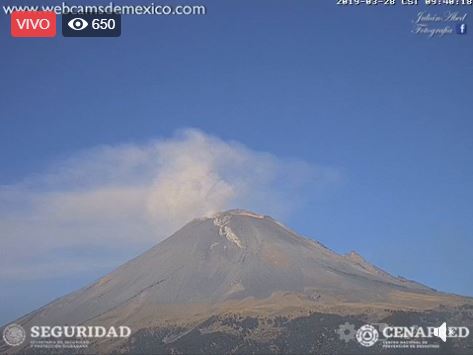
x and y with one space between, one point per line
239 282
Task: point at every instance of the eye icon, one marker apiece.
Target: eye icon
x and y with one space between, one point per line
77 24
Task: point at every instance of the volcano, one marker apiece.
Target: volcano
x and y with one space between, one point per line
234 275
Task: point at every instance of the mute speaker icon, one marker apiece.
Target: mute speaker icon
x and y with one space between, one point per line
441 332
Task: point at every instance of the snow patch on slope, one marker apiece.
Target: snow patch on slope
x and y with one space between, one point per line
225 231
237 212
247 214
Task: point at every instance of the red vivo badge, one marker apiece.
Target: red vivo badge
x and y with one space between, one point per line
33 24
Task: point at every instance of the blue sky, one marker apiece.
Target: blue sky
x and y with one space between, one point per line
350 90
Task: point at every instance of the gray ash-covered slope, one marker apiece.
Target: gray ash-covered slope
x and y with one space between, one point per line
236 255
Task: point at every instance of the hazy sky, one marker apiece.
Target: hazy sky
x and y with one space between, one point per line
339 121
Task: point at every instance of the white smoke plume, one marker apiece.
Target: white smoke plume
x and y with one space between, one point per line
117 200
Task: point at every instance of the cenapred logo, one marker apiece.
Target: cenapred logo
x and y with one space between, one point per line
367 335
14 335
